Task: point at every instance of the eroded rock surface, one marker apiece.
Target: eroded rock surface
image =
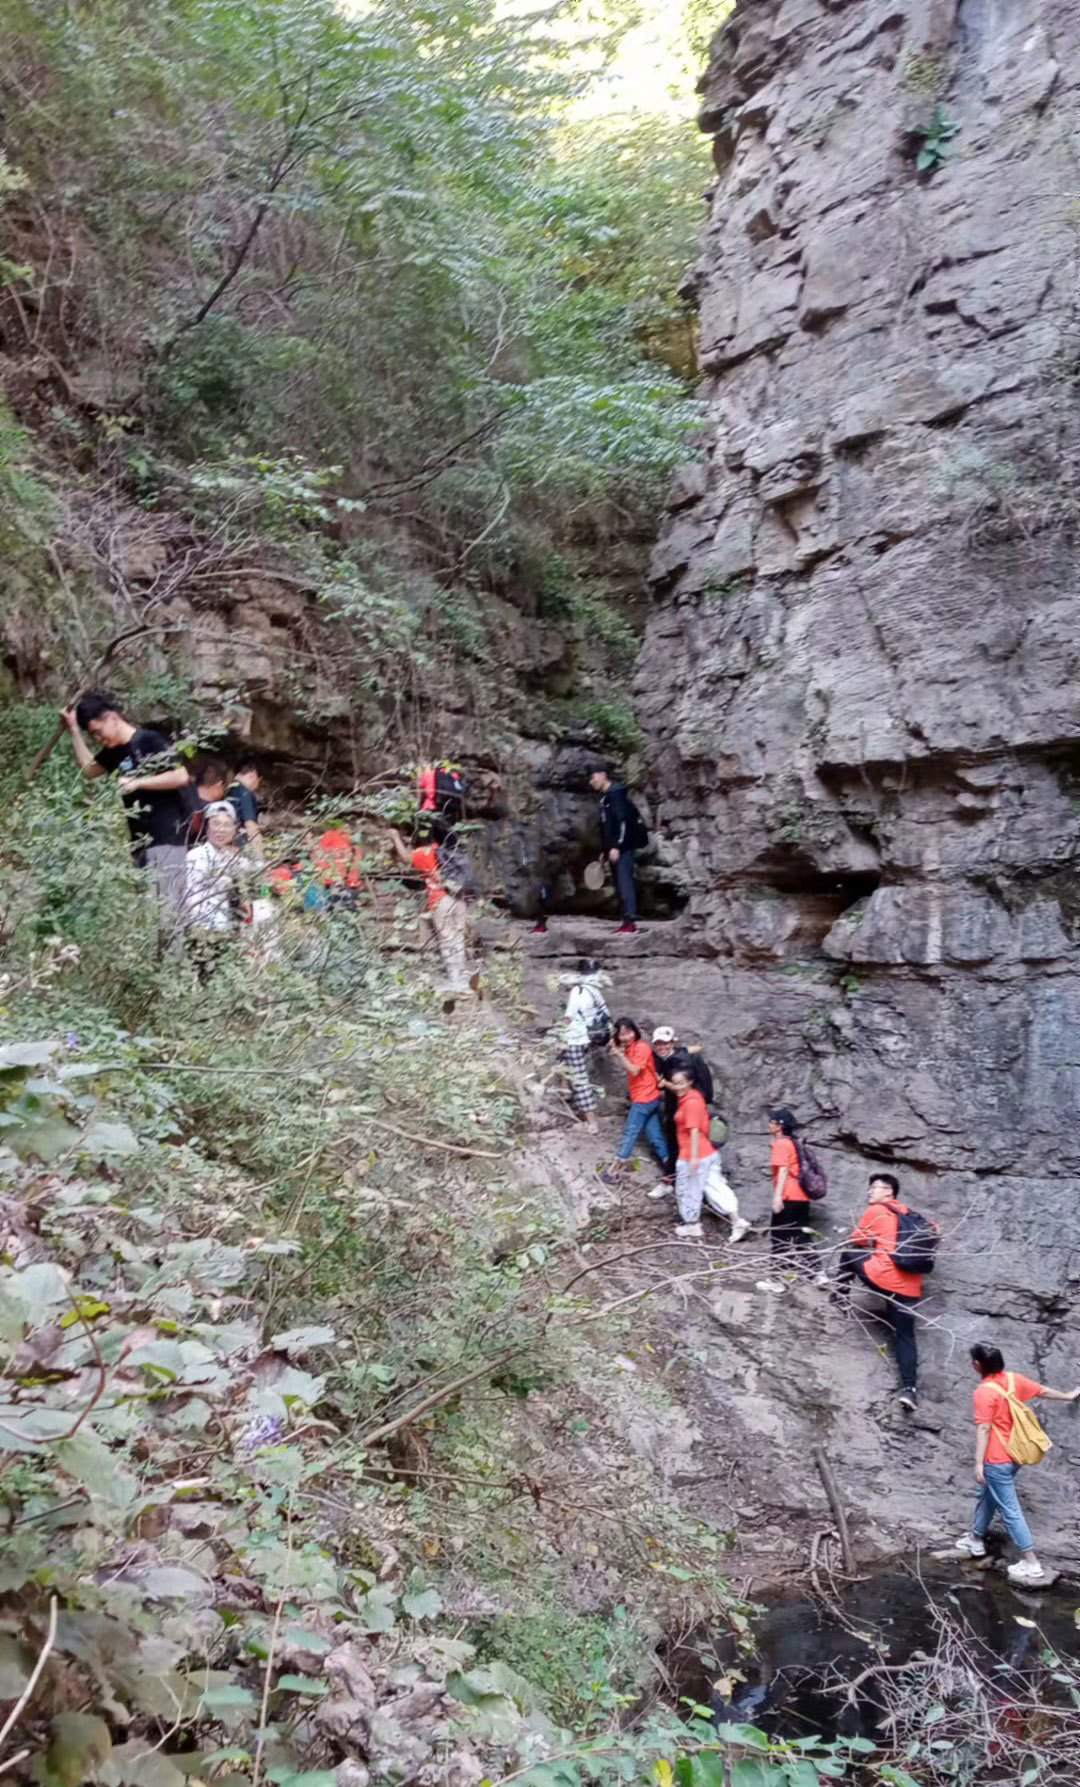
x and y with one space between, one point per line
859 693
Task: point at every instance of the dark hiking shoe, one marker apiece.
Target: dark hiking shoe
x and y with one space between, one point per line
626 928
908 1398
611 1176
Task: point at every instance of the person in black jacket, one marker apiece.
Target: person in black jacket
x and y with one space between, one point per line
670 1057
624 834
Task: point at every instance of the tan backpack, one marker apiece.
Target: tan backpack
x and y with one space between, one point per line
1028 1441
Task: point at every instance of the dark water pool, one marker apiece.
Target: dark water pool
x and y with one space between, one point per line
805 1646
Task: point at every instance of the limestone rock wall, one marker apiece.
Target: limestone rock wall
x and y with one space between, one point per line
859 679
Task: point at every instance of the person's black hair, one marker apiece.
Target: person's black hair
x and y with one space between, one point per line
246 765
430 829
787 1120
211 769
93 704
886 1179
987 1358
602 768
587 966
629 1025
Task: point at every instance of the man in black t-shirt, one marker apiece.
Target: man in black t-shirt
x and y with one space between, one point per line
243 796
149 779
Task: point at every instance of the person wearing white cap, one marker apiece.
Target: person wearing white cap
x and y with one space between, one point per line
669 1055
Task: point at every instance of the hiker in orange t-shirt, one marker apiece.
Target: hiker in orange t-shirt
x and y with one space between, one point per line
446 913
790 1204
995 1470
870 1260
699 1177
636 1056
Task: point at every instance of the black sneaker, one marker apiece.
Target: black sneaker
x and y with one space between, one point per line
908 1398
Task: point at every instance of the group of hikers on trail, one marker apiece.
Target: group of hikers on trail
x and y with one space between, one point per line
199 838
889 1252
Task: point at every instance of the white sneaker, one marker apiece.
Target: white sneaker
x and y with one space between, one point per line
971 1545
690 1231
823 1282
1030 1572
659 1191
739 1228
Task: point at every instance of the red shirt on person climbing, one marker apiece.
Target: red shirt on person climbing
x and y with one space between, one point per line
644 1085
426 863
785 1154
877 1228
992 1409
691 1114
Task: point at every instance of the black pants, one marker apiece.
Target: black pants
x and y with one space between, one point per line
790 1228
897 1312
624 884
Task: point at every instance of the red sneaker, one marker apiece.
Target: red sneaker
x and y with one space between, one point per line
539 928
626 928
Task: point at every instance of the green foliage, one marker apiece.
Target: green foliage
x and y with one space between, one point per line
584 1666
616 724
380 265
935 138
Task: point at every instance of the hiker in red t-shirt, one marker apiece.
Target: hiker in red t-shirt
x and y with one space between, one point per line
636 1056
790 1205
995 1469
699 1177
870 1260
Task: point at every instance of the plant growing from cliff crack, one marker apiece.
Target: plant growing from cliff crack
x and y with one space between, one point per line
935 140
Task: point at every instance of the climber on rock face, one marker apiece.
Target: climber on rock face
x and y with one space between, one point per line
872 1260
624 834
670 1057
442 861
1001 1433
791 1233
698 1175
643 1117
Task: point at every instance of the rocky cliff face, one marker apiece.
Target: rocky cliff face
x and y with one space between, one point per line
859 680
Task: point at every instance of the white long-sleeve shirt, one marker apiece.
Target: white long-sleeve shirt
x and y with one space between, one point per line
211 876
584 1006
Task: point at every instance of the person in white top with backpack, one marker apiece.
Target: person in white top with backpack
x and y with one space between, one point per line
587 1026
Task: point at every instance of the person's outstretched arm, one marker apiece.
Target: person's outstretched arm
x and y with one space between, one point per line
1058 1395
401 849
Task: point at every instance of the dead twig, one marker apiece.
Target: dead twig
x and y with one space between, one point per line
43 1657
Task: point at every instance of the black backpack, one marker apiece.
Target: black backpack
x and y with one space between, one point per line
917 1241
701 1074
599 1020
637 832
455 870
450 791
812 1175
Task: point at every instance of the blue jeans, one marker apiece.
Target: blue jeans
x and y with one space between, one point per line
999 1492
645 1117
624 884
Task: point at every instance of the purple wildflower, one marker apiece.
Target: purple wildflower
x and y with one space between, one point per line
265 1430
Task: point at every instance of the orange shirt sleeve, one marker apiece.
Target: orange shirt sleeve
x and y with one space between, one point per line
1026 1387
